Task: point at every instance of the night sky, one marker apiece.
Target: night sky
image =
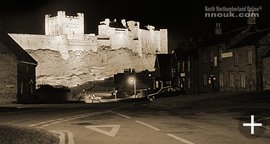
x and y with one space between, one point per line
183 19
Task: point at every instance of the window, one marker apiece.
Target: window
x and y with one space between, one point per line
235 58
189 83
220 54
188 65
215 61
21 87
178 66
205 79
250 57
183 66
157 84
242 80
173 72
221 81
231 80
212 56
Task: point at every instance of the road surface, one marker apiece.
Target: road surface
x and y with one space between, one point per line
133 123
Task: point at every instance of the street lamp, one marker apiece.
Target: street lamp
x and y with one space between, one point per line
132 80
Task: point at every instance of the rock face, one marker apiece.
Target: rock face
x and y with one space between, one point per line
83 66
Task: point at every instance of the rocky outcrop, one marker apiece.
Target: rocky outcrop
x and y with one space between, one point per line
83 66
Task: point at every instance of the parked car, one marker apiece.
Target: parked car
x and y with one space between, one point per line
165 92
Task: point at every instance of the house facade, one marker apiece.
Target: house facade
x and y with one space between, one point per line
184 69
164 72
17 77
235 61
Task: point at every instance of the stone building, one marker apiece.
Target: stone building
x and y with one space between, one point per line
163 71
66 33
17 77
184 68
236 60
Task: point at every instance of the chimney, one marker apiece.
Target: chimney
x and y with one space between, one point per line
251 21
218 29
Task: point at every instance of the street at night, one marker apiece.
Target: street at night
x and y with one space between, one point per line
208 119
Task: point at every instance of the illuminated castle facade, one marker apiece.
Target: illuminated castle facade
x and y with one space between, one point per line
66 33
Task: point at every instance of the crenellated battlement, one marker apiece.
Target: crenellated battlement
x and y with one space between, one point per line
64 33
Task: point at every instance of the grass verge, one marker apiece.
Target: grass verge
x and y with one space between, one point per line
13 134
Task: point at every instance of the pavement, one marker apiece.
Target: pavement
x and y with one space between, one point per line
240 105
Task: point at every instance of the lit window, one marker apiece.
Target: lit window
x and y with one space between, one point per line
231 80
242 80
188 65
220 54
250 57
183 66
157 84
212 56
178 66
21 87
189 83
215 61
221 81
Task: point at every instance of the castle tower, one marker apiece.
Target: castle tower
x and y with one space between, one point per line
62 24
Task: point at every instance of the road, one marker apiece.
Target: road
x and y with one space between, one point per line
131 122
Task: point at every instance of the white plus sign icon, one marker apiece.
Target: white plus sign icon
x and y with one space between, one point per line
252 124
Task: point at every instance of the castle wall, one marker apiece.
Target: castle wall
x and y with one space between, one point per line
58 43
66 33
120 39
163 41
62 24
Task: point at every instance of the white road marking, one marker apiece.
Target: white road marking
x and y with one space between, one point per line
111 133
59 120
64 119
148 125
122 115
180 139
62 137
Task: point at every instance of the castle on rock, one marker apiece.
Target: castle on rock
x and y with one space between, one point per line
66 33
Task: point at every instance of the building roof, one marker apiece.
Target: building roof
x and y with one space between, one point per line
251 39
267 54
223 38
163 61
186 52
16 49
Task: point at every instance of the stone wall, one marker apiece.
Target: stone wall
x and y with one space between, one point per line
8 76
242 66
266 73
59 43
62 24
66 33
